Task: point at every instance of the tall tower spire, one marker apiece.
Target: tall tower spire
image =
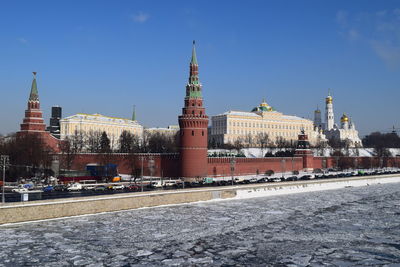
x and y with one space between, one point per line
34 95
193 127
134 113
33 121
329 115
193 88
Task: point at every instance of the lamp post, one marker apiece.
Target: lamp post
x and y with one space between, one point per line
233 162
4 162
283 161
151 169
141 179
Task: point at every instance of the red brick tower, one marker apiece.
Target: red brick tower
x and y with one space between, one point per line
193 127
303 150
33 121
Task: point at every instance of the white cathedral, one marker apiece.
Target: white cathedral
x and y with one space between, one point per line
345 133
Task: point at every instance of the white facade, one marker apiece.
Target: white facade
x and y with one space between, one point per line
86 123
263 120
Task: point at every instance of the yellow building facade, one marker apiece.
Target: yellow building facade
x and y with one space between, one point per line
262 120
87 123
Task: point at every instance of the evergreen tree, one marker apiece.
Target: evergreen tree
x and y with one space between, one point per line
104 143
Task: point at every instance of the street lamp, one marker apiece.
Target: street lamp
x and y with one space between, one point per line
141 179
4 162
283 161
233 162
151 169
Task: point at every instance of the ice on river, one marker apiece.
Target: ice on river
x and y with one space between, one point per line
358 226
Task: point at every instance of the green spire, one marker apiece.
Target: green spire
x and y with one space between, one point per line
34 96
134 113
194 58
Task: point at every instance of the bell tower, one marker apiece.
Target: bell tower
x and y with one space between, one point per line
193 125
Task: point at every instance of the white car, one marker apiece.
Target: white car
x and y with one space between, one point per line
75 187
118 187
20 190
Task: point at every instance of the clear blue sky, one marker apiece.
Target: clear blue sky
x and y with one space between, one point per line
105 56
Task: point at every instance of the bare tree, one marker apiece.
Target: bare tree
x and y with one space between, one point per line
93 141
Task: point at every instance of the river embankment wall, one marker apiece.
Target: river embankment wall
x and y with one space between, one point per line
58 208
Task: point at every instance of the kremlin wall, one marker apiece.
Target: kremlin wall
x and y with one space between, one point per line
192 161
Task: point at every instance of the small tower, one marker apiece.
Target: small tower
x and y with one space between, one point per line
344 120
317 118
303 150
33 121
193 127
329 116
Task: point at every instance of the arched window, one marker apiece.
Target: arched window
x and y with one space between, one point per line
193 112
202 133
192 133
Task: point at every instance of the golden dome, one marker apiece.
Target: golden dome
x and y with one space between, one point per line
329 99
344 118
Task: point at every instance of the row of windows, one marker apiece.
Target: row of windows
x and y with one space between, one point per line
260 125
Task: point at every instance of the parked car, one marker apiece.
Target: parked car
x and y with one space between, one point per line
133 187
100 188
89 187
117 187
291 178
20 190
48 188
253 180
75 187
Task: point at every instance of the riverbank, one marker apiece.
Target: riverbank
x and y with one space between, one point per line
50 209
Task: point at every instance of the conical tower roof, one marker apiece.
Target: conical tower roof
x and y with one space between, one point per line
194 57
34 95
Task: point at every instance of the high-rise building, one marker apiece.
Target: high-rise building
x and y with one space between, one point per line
54 128
193 125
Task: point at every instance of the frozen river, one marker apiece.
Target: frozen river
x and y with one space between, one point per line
358 226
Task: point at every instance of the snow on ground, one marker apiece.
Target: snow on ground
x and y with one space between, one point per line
354 226
259 153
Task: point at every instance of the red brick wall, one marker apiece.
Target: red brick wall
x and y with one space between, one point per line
243 166
168 165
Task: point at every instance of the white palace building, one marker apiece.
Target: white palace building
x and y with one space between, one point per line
262 120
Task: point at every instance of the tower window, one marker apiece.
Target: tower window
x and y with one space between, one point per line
193 112
201 113
202 133
192 133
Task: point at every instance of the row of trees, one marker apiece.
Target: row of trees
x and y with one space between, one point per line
29 156
261 140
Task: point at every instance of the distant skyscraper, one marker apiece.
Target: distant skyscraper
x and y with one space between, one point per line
54 128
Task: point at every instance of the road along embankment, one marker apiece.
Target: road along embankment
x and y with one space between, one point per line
58 208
